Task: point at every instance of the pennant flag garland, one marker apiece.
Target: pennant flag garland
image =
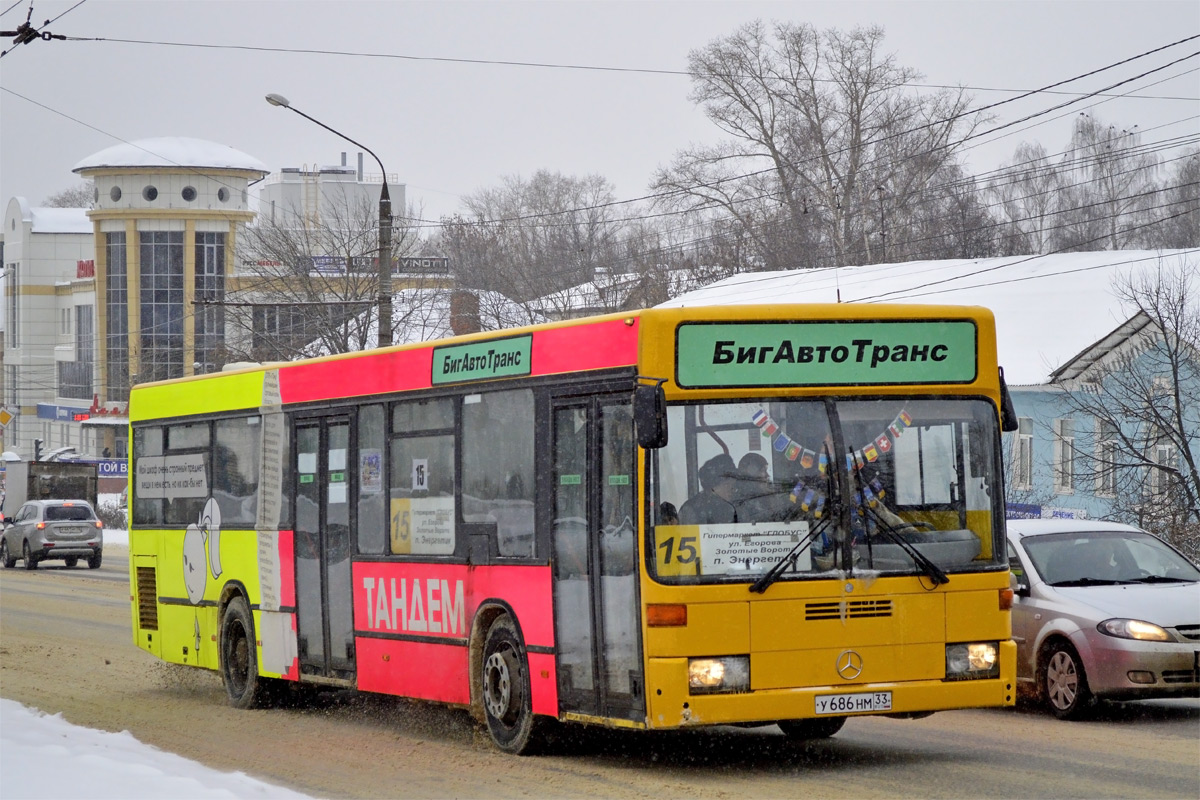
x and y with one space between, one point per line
905 418
770 429
793 451
895 430
796 490
760 418
823 464
808 459
782 443
870 452
883 443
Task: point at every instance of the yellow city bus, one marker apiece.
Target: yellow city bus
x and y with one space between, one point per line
658 519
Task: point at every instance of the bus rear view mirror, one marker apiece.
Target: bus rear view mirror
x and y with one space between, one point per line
650 414
1008 413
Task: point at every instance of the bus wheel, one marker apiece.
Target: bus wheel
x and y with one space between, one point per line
505 690
239 664
803 729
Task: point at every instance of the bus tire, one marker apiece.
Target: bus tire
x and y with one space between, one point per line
239 660
805 729
504 688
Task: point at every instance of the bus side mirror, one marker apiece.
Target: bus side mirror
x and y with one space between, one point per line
650 414
1008 414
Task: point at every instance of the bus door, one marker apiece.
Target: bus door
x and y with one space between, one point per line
325 620
597 628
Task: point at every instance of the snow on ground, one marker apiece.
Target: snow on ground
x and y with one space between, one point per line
44 757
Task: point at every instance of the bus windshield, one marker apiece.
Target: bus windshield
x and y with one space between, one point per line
806 488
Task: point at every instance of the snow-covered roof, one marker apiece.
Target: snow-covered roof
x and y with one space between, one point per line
60 220
1048 309
171 151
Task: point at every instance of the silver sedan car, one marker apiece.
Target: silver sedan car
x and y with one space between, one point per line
1102 610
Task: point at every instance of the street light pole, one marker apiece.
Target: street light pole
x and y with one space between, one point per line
385 227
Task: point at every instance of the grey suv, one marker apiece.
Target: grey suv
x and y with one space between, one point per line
52 529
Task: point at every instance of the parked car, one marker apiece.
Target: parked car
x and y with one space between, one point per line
53 529
1102 610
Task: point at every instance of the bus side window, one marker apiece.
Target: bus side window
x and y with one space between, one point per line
372 513
498 467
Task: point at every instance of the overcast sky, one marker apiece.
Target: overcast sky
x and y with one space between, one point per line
449 128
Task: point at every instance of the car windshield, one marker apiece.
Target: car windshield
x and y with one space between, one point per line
1082 558
767 490
69 513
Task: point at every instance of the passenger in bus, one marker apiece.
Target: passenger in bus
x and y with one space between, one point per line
754 497
714 504
667 515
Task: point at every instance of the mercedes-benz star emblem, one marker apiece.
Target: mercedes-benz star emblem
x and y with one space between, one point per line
849 665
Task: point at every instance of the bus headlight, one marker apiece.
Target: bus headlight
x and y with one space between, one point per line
972 660
713 675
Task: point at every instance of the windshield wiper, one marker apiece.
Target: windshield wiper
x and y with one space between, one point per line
1090 582
931 570
772 575
1162 579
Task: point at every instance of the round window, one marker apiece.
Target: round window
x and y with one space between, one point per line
96 195
114 193
149 194
189 193
223 194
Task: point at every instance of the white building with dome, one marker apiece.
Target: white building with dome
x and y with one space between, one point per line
126 291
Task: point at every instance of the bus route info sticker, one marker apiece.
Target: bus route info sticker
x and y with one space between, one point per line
749 548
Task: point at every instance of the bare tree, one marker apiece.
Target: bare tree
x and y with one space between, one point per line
1144 399
529 238
818 121
1180 215
310 287
1025 195
1108 185
80 196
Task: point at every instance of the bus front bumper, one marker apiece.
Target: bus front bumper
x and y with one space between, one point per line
671 705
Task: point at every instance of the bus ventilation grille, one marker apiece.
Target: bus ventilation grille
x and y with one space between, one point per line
854 609
147 591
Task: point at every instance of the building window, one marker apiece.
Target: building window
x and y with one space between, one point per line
75 377
150 194
1064 456
223 195
278 331
1023 455
188 193
116 299
115 193
210 294
1160 476
161 305
1106 458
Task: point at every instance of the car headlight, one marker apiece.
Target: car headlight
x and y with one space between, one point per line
971 660
1133 629
714 675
